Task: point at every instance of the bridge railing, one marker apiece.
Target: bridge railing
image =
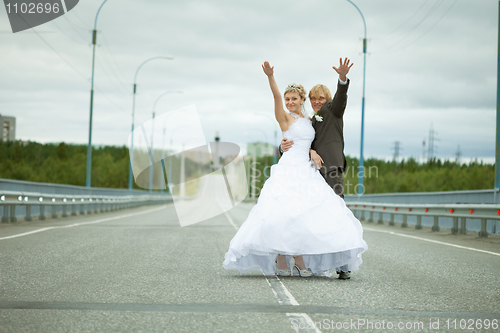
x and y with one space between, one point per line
65 200
488 196
458 212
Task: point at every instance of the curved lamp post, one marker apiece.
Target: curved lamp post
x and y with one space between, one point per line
169 172
497 143
260 130
361 160
255 147
152 137
89 147
253 176
254 170
133 113
275 157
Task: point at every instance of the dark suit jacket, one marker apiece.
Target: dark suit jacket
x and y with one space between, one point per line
329 139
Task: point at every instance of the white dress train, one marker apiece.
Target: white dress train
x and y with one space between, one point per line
297 213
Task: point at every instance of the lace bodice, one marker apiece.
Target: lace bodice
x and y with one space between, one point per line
302 133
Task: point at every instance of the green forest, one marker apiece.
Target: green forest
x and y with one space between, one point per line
66 164
408 175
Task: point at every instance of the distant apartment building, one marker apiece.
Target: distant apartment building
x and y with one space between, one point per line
8 128
260 149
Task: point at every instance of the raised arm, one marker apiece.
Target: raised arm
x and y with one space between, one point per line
339 102
279 112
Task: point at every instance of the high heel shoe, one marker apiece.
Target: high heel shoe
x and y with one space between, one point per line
282 272
302 272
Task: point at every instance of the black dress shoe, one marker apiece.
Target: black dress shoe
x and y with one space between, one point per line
344 275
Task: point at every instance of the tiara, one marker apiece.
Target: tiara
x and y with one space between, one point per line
293 86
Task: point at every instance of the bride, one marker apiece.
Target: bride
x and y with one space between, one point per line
299 224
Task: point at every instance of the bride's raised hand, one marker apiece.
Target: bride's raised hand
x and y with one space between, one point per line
279 113
268 70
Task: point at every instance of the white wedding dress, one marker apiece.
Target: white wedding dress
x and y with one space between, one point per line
297 213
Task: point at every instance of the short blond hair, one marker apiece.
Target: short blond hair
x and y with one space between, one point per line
318 89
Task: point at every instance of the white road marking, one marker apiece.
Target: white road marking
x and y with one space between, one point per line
432 241
231 221
300 322
81 223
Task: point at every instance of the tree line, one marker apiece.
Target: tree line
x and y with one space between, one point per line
407 175
66 164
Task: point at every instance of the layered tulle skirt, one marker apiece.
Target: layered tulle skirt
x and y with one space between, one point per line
297 213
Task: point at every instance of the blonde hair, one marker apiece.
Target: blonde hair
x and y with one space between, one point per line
318 89
298 88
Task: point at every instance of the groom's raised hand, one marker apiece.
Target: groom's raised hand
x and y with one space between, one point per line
343 69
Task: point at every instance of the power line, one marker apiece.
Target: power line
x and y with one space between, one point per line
60 56
110 74
87 27
433 8
74 29
432 27
436 5
404 23
73 68
63 31
118 73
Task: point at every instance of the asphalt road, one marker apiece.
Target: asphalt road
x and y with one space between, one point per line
138 271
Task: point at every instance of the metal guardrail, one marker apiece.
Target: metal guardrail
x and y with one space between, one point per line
87 204
72 200
463 212
491 196
64 189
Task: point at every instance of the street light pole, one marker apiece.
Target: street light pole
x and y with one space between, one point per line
361 160
169 171
255 150
152 154
152 140
133 113
89 147
260 130
275 152
497 150
252 165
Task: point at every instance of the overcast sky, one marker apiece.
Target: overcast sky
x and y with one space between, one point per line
429 63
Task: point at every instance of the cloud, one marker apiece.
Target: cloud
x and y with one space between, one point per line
428 62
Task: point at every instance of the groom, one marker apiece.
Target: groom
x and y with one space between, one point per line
327 149
329 126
